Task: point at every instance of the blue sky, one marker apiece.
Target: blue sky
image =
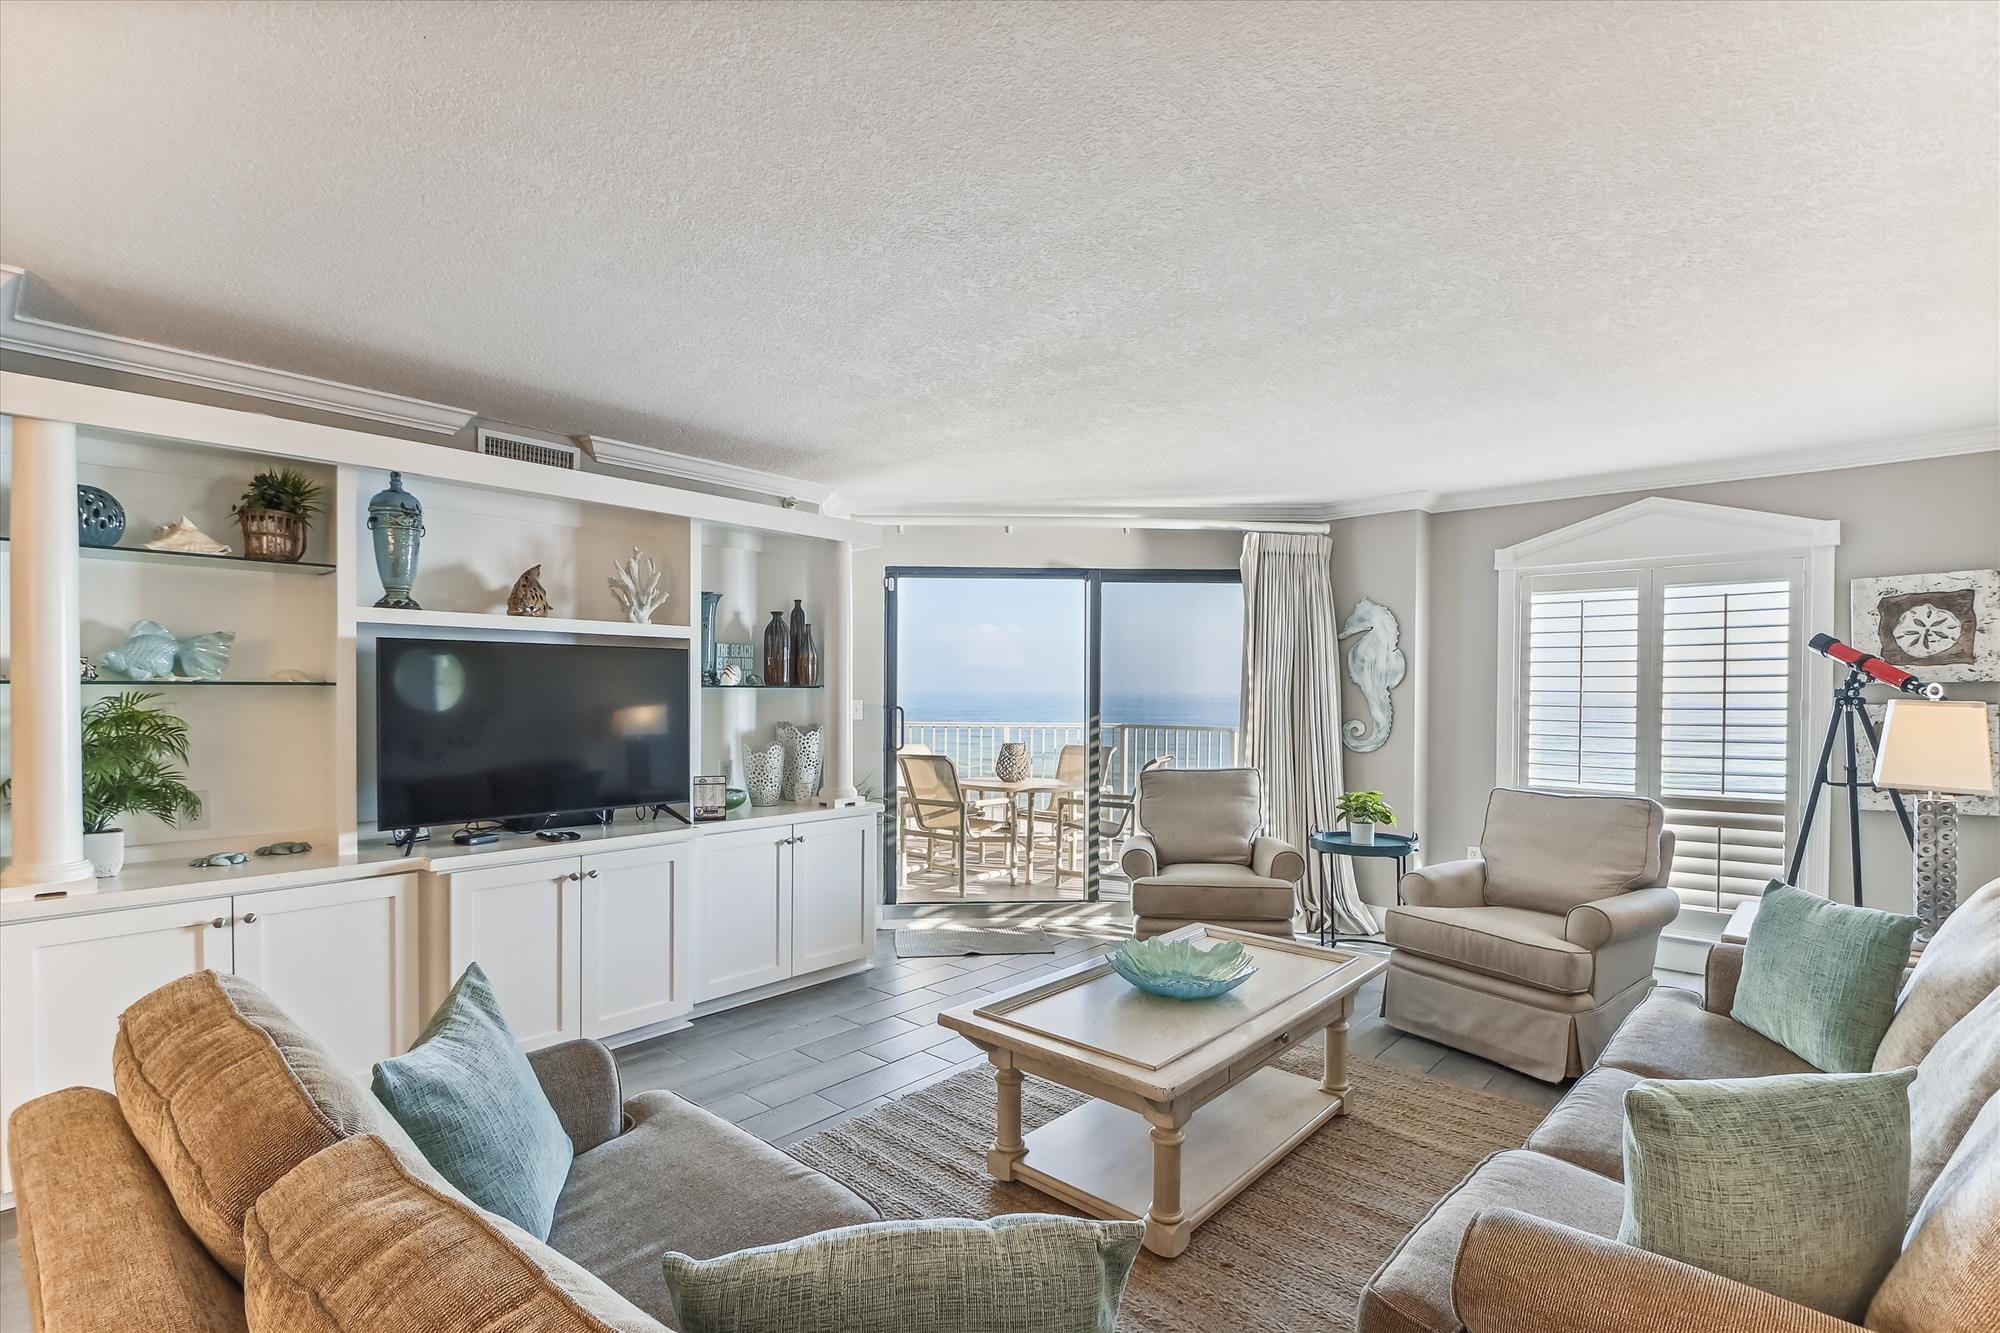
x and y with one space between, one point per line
1025 637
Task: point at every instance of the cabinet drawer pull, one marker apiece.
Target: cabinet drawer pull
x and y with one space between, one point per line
590 874
249 918
218 923
573 877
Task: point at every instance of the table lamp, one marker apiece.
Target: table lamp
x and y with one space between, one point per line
1939 751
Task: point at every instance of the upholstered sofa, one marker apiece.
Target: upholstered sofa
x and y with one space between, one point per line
239 1179
1202 855
1527 1242
1532 954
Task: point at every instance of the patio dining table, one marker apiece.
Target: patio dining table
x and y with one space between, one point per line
1013 791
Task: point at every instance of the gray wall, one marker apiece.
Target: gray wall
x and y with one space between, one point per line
1905 518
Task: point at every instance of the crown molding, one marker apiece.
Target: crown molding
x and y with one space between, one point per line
1316 515
1158 520
686 467
1743 468
108 351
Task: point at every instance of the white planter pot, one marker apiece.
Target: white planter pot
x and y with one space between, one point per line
105 851
1363 834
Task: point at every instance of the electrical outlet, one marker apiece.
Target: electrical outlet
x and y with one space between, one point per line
857 714
1471 852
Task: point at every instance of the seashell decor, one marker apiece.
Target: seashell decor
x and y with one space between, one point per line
184 536
528 597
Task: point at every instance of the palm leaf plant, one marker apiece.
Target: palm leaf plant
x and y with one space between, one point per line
129 751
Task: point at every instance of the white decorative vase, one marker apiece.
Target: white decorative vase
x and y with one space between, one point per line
1011 764
105 851
805 761
1363 834
764 774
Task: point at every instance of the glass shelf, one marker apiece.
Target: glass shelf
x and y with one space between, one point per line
200 684
760 687
140 555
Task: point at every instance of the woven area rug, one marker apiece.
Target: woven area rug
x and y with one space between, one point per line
1291 1252
958 943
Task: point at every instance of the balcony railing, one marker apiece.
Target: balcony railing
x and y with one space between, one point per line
974 746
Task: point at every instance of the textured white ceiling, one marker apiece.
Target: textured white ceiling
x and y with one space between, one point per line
1046 254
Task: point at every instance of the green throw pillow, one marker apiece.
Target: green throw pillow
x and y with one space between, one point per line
469 1099
1795 1184
1820 978
1020 1274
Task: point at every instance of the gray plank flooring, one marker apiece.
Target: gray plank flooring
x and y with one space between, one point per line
791 1066
786 1068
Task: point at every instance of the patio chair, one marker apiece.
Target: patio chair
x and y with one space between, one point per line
1072 770
1114 817
940 813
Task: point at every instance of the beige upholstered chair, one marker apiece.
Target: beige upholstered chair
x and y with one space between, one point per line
1533 954
1202 855
936 809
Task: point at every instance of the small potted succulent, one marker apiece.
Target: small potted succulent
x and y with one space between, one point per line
1363 810
128 749
276 510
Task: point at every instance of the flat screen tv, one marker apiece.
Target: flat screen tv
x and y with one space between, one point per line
530 734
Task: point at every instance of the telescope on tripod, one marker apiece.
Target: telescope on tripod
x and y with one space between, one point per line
1850 710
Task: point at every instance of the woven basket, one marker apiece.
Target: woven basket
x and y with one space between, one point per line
272 534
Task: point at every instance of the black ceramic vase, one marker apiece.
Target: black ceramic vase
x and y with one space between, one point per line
777 651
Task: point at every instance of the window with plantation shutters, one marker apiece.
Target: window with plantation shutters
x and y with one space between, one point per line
1726 666
1583 689
1679 682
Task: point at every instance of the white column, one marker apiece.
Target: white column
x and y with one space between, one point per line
47 702
839 656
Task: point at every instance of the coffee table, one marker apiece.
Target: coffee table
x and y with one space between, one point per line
1089 1029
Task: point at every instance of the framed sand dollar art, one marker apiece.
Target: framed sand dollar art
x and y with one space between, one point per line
1943 627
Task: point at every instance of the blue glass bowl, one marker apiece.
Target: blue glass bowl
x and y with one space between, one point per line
1181 969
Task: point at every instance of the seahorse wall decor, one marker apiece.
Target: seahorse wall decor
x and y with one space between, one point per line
1376 666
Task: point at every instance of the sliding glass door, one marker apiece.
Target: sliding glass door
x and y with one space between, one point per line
1021 706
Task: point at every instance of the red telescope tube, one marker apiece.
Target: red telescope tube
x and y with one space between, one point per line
1869 665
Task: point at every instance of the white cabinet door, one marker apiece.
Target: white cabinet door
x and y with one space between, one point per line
64 982
521 924
636 939
832 917
340 960
743 910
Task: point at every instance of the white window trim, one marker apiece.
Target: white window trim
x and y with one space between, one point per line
1657 532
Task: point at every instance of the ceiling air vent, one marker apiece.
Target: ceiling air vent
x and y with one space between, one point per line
521 448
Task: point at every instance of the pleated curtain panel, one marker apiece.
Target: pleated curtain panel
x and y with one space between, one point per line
1291 710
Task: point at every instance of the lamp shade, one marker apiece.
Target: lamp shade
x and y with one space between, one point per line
1936 747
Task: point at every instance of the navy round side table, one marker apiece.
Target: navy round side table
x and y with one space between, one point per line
1334 842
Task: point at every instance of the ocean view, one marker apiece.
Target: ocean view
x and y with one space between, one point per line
1173 710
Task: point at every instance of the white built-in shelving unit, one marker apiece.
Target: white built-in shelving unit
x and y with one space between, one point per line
291 759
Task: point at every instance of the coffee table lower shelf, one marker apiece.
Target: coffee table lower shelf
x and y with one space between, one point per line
1100 1158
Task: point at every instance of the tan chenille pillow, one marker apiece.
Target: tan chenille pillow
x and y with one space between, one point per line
226 1094
354 1241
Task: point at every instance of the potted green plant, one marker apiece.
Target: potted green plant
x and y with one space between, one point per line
128 749
1363 810
276 511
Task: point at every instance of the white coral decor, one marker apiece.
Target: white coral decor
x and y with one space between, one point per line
636 585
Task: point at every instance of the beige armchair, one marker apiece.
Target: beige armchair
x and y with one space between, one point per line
1533 954
1201 855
